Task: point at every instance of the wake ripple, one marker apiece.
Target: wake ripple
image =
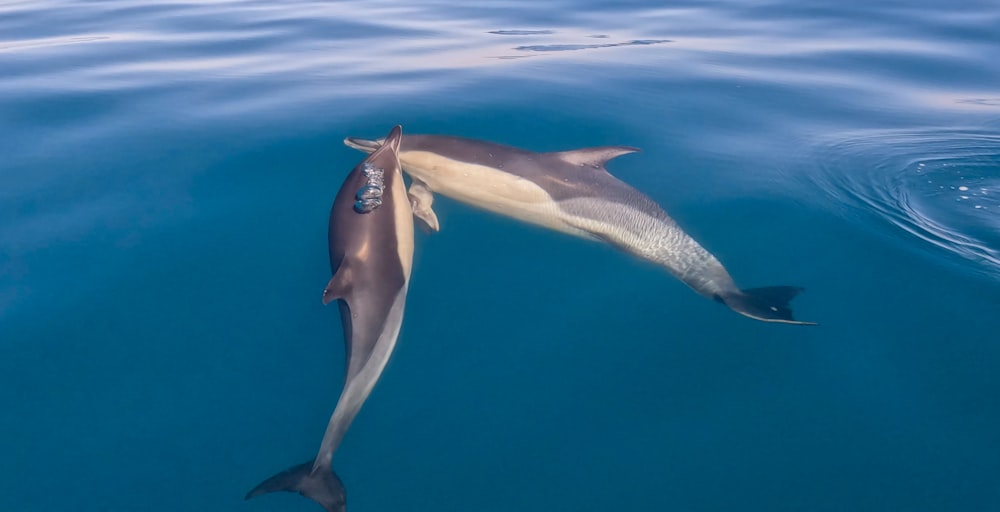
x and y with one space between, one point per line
941 187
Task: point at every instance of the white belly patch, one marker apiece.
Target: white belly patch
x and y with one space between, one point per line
488 188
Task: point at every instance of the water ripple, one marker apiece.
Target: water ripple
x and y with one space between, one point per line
245 55
574 47
941 187
521 32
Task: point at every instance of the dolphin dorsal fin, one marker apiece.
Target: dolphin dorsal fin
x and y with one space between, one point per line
594 157
338 286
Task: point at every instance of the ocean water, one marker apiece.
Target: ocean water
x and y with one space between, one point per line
166 172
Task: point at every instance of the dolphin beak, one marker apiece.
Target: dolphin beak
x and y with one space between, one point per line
365 145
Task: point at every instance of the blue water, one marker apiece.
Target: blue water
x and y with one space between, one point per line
166 171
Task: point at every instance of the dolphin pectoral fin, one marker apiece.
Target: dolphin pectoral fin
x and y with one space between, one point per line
595 157
322 486
421 199
338 286
768 304
426 221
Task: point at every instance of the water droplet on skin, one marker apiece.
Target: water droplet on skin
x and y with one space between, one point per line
367 205
368 192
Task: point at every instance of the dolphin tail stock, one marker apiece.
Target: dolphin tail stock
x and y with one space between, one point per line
322 485
768 304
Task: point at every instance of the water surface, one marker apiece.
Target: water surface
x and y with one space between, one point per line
167 170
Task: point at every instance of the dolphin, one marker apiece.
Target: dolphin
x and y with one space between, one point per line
371 254
572 192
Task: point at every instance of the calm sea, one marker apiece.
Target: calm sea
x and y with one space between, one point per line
166 171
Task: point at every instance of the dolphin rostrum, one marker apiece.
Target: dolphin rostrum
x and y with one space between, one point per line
572 192
371 253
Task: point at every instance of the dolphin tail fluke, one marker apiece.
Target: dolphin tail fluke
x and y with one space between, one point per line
322 486
769 304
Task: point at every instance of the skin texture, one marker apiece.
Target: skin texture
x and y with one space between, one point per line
371 255
572 192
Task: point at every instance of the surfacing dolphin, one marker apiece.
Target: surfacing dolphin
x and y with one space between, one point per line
371 254
572 192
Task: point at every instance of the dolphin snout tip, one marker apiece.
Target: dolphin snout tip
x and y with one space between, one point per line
362 144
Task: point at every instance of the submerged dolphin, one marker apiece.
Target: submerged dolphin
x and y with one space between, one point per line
572 192
371 253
